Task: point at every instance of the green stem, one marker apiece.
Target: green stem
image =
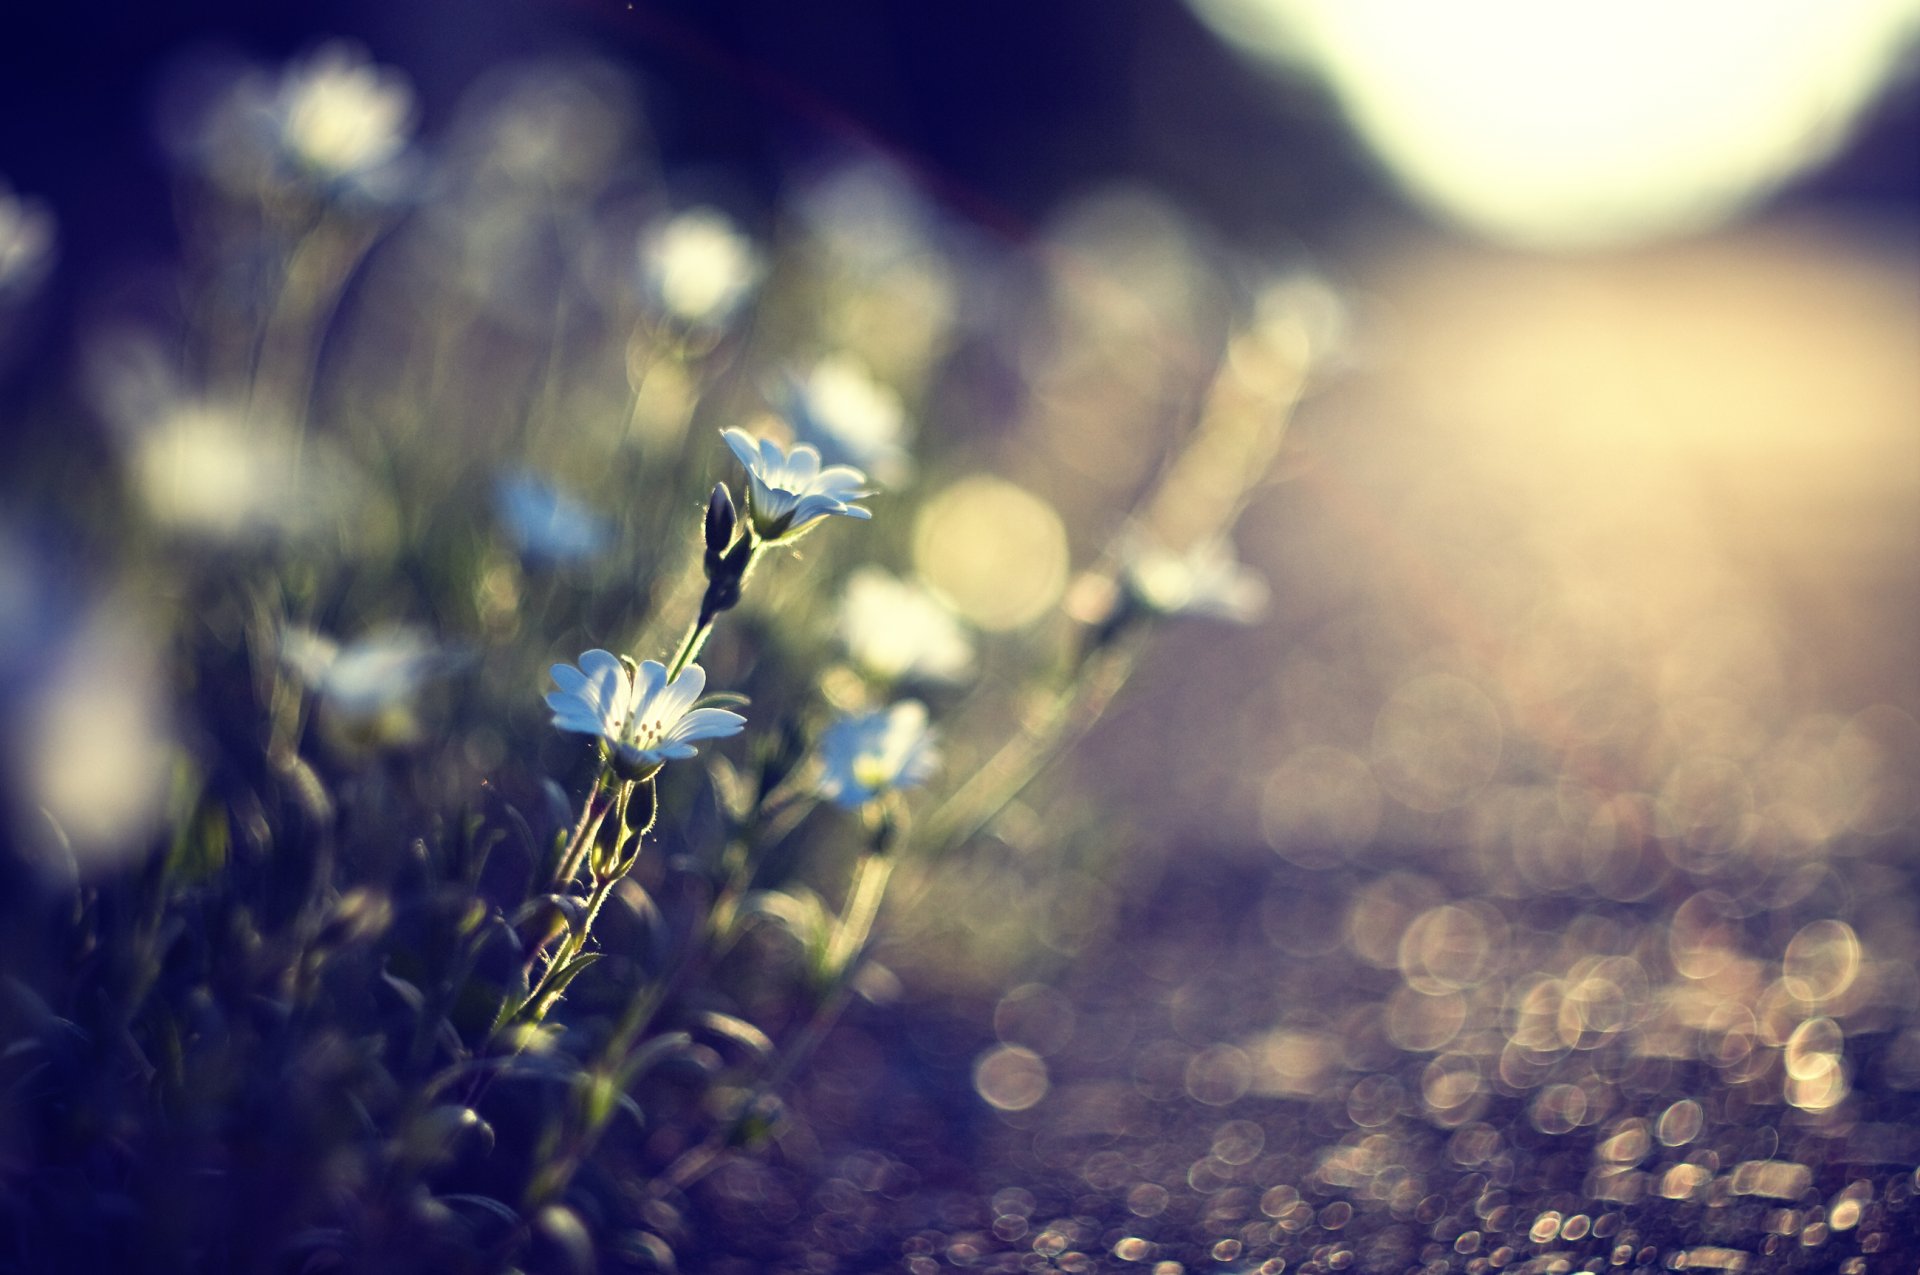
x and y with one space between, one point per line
592 814
690 646
703 626
864 895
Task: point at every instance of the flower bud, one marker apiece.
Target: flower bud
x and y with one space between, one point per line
721 521
725 576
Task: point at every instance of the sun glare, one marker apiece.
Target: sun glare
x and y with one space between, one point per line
1564 124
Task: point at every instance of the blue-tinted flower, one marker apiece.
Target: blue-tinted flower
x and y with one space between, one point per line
547 524
851 418
790 491
646 720
1205 580
367 678
897 629
867 755
698 268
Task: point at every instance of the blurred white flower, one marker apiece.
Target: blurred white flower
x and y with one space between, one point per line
85 726
897 629
332 120
368 686
698 268
867 755
26 243
203 467
554 123
547 524
647 720
853 419
340 117
789 491
1205 580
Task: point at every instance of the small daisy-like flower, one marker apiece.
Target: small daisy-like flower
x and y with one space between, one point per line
1205 580
790 491
853 419
698 268
547 524
867 755
647 720
897 629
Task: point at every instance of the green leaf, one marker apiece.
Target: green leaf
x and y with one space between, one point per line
556 983
410 995
737 1031
654 1051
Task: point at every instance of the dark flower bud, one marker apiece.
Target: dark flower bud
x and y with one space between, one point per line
721 521
725 576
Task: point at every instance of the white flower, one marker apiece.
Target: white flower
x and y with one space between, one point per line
1205 580
371 679
332 121
546 523
646 719
789 490
867 755
698 268
852 418
85 742
205 467
898 629
339 117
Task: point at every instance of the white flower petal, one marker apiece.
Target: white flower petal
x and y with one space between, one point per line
741 444
647 687
842 480
705 723
678 697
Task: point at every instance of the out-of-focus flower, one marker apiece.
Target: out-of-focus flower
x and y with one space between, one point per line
26 243
557 124
867 755
853 419
897 629
340 117
698 268
547 524
790 491
647 720
367 687
204 467
332 121
84 716
1205 580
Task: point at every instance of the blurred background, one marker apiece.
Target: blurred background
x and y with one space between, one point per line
1572 778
